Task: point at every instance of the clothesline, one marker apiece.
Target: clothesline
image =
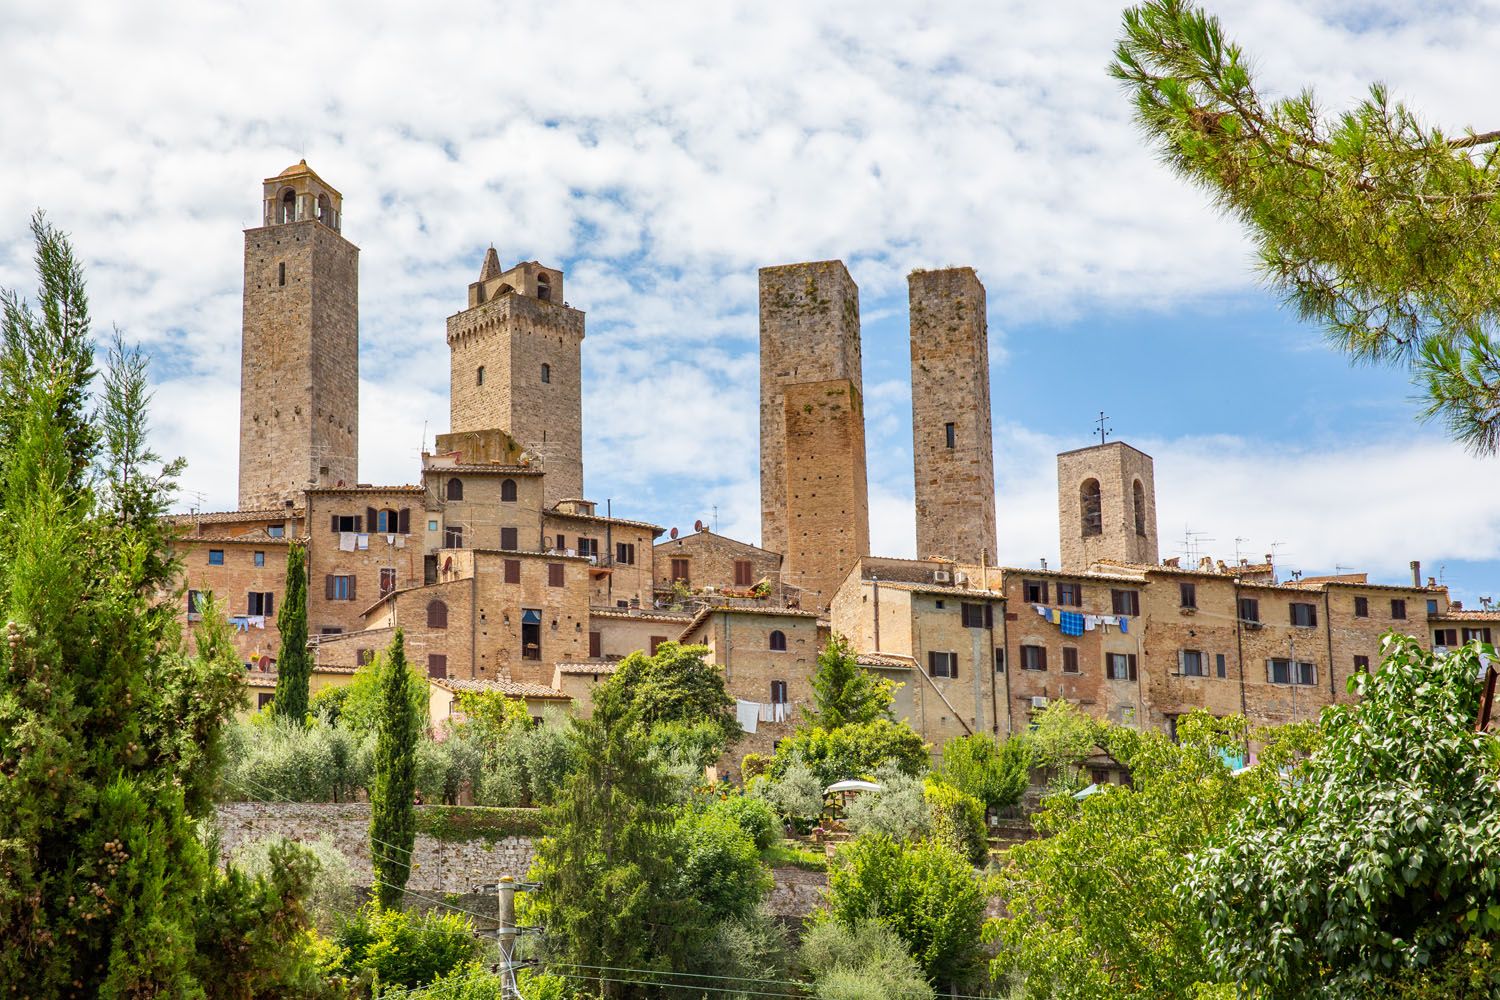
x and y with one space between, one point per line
1077 623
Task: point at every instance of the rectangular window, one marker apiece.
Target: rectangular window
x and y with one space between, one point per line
1219 665
387 581
625 553
531 634
1070 594
330 630
437 665
1445 637
999 661
1476 635
1033 658
216 557
950 437
1249 609
193 603
281 274
260 602
680 570
1036 591
264 698
276 531
432 525
561 544
1299 672
260 558
1190 663
509 540
338 588
554 574
942 664
1188 594
1304 615
453 537
1125 602
1362 664
588 547
1398 610
512 571
978 616
744 573
347 522
1120 666
1361 607
656 640
1432 607
1070 659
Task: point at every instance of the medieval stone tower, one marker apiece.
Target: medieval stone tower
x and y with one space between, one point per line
1106 506
813 492
516 365
952 446
299 369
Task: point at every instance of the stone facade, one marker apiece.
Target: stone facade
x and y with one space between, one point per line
515 357
388 529
827 501
809 332
711 560
299 374
952 444
622 571
1106 506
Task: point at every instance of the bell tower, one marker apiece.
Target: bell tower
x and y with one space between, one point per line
299 362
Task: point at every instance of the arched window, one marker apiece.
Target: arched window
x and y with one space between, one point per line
455 489
546 372
1138 493
508 490
479 376
544 288
1092 513
778 641
387 522
288 205
325 211
437 614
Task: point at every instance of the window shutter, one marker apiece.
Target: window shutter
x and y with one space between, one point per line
1181 662
953 665
1044 593
1485 634
405 521
1130 659
352 579
370 520
989 616
512 571
268 604
335 523
931 664
594 645
1077 595
328 587
1270 672
1041 657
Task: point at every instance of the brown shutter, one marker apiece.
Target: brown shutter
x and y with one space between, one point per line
554 574
931 664
371 522
953 665
328 587
1041 657
352 580
594 645
404 521
657 640
1077 595
508 538
512 571
1044 593
268 604
1130 660
334 522
437 665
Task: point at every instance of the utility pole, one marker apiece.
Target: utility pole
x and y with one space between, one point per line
506 934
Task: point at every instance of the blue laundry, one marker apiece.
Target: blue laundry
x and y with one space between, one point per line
1071 622
1124 624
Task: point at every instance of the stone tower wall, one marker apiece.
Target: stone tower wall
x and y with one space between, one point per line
809 332
299 375
950 384
827 505
512 337
1117 467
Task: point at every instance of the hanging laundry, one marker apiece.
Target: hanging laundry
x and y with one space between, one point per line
1124 624
256 621
241 623
363 542
400 541
1090 622
346 541
1071 623
1040 610
747 714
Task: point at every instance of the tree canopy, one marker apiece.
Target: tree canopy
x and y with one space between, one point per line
1369 221
843 692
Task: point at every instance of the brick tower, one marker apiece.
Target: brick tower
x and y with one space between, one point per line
1106 506
515 357
809 332
952 446
299 368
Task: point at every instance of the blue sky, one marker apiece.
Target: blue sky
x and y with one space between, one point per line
661 153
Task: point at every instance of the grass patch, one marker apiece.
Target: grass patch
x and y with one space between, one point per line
785 855
478 822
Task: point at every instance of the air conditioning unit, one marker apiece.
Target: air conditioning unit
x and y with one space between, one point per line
960 578
941 576
1038 701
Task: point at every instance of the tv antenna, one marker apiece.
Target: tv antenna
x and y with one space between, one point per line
1192 545
1237 543
1104 431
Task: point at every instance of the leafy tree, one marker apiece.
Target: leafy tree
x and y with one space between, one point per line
797 796
1369 221
1380 854
844 692
609 866
924 892
957 820
360 709
293 664
865 959
1093 907
1063 739
329 893
753 815
995 773
676 684
853 751
394 947
393 820
900 810
719 866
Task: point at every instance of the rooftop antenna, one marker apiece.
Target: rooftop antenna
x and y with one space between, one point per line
1274 547
1191 544
1104 431
716 519
1237 543
1338 569
1485 602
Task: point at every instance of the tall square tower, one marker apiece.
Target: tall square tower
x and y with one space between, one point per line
1106 506
299 364
827 510
952 445
809 332
515 357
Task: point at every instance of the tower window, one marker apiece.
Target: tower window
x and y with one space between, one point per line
281 273
544 288
778 641
479 376
288 205
1092 515
508 490
546 372
455 489
949 435
1139 495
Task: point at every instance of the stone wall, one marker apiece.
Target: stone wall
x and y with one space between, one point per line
326 559
1121 536
827 499
711 562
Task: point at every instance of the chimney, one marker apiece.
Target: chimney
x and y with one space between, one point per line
1416 573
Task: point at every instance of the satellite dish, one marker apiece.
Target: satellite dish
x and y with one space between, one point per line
674 532
697 525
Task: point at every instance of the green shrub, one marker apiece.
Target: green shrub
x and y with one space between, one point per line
861 961
900 810
797 796
853 751
720 866
526 767
331 891
399 948
753 815
277 760
995 773
741 950
958 821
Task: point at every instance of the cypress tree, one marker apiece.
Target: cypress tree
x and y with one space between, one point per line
845 694
293 665
393 819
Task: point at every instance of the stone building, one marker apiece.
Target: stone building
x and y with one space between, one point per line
705 560
1106 505
515 357
952 444
299 365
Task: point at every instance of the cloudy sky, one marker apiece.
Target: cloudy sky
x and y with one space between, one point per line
661 152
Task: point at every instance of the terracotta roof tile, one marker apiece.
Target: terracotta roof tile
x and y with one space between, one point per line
515 689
